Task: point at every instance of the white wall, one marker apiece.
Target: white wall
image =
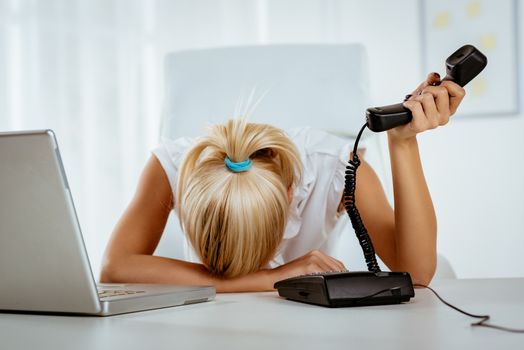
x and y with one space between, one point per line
93 71
474 166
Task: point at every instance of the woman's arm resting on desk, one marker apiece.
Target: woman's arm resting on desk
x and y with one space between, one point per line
128 256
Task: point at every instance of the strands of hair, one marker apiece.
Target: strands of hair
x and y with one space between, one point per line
235 221
244 108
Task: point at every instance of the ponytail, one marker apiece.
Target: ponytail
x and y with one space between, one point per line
232 195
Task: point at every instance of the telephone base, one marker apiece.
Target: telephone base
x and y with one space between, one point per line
343 289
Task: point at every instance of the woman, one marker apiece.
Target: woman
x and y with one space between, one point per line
256 203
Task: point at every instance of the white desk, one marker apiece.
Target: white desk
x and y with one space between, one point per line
265 321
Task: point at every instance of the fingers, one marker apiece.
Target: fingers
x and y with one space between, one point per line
434 106
432 79
324 262
418 123
431 112
456 94
425 113
313 262
432 103
441 97
336 264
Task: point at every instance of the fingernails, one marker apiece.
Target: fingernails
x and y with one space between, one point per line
436 75
435 83
407 97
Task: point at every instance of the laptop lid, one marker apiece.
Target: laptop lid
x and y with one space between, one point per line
43 260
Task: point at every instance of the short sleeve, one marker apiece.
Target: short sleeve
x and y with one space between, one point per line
170 154
330 155
339 178
324 157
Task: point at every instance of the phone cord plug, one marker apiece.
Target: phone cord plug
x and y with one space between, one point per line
351 208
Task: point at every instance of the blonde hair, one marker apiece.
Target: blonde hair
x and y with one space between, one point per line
235 221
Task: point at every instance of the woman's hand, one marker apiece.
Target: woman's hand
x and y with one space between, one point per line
432 104
314 261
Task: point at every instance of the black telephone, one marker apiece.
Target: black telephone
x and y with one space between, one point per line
461 67
373 287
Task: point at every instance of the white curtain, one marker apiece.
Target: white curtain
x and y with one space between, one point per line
91 70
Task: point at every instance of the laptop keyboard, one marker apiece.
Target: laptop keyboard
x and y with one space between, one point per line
108 293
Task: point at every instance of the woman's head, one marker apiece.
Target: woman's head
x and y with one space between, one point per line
235 220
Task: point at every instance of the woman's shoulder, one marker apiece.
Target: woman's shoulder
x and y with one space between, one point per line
175 147
311 140
173 150
170 153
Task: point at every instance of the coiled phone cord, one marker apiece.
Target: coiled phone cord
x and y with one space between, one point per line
351 208
367 246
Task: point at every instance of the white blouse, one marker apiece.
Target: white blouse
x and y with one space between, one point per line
313 210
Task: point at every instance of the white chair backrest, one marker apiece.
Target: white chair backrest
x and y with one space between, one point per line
323 86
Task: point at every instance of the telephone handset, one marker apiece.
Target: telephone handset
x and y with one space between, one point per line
339 289
461 67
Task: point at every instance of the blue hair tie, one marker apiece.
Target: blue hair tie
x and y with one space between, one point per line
238 167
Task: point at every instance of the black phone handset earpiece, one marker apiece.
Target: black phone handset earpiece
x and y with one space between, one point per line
461 67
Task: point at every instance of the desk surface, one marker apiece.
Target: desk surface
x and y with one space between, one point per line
266 321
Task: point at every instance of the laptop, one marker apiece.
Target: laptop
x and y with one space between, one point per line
44 265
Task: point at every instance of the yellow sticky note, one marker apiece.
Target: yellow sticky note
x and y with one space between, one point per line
479 86
488 41
442 20
474 8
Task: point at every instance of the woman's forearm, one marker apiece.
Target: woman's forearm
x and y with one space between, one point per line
432 104
415 221
155 269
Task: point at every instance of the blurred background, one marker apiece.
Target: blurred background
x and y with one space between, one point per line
92 70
